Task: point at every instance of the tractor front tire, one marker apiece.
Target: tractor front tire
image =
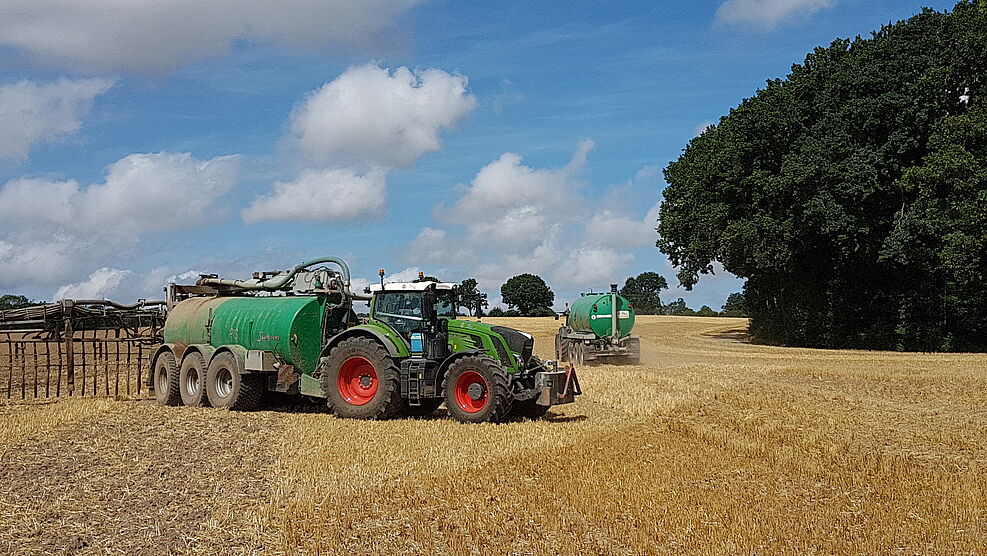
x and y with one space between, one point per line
361 381
192 380
477 390
166 391
228 387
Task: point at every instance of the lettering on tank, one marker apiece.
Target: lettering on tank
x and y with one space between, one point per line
268 338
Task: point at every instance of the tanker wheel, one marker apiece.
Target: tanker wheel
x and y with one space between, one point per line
476 390
166 390
192 380
361 381
227 387
427 407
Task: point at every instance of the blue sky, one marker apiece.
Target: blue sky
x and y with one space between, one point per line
150 141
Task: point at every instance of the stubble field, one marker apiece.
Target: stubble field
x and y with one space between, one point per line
712 445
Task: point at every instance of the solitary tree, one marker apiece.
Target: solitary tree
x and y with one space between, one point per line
643 291
527 292
851 193
471 298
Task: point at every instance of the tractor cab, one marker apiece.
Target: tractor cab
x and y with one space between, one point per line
418 311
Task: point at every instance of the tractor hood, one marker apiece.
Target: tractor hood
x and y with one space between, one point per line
518 342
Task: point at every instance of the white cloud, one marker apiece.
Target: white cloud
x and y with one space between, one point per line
142 192
594 266
52 230
329 194
96 35
435 245
513 218
352 131
369 115
511 204
100 285
33 113
767 13
612 228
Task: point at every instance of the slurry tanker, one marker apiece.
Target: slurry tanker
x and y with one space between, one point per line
227 342
598 326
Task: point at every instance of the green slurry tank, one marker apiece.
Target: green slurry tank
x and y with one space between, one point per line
599 325
290 327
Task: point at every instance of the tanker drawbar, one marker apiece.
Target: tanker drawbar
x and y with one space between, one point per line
598 326
228 342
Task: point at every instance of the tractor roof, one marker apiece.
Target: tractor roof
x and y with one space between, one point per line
413 286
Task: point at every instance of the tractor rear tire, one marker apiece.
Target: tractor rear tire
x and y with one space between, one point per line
192 380
477 390
166 391
228 387
361 381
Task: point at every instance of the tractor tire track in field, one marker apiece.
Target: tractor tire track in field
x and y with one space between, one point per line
140 480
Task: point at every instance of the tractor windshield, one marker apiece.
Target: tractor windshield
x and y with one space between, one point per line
401 310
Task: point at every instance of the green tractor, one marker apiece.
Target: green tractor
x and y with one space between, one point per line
226 342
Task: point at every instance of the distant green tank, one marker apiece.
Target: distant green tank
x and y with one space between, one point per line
599 325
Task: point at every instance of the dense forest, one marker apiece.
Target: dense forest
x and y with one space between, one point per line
852 195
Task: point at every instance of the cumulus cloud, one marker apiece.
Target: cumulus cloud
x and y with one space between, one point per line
613 228
34 113
513 218
100 36
510 203
49 230
142 192
326 194
434 245
100 285
595 265
369 115
353 131
767 13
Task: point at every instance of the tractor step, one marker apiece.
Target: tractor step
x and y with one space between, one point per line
412 375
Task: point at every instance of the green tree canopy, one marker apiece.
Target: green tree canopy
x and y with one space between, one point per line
527 293
472 299
735 305
678 307
642 292
9 301
851 193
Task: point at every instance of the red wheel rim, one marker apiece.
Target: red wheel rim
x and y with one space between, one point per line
464 399
357 380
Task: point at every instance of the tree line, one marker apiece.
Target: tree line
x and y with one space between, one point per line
852 195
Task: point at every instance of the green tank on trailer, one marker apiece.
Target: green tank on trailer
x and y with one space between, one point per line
593 312
288 326
598 325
